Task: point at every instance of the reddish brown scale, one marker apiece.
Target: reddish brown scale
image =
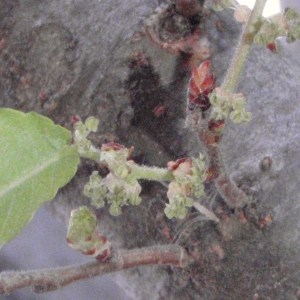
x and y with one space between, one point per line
89 238
159 110
43 97
90 252
216 125
202 82
273 47
112 146
104 255
210 174
173 165
202 101
138 59
242 217
167 233
103 239
265 221
2 43
75 119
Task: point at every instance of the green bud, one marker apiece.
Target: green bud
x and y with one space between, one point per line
82 225
135 199
91 124
177 207
84 146
189 175
83 235
97 202
116 161
268 32
115 210
96 190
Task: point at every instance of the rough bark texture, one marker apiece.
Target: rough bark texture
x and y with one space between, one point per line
62 58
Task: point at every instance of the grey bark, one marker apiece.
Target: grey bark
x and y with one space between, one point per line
62 58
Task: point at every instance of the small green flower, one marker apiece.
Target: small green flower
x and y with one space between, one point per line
115 190
239 116
230 105
122 192
96 190
81 132
293 23
177 207
189 175
116 156
270 29
91 124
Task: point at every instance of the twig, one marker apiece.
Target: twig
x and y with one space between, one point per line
52 279
241 52
233 195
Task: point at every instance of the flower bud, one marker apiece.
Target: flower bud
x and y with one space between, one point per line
83 235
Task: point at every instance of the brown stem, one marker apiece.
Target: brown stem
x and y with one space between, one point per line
231 194
52 279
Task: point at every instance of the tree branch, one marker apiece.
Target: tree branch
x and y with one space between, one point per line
52 279
241 52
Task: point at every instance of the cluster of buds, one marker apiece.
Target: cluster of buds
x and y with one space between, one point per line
293 23
228 104
84 236
270 29
287 24
189 175
81 131
120 187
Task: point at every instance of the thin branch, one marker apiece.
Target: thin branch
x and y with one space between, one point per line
241 52
227 188
211 138
52 279
231 193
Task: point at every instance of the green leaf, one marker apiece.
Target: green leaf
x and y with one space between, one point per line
36 159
